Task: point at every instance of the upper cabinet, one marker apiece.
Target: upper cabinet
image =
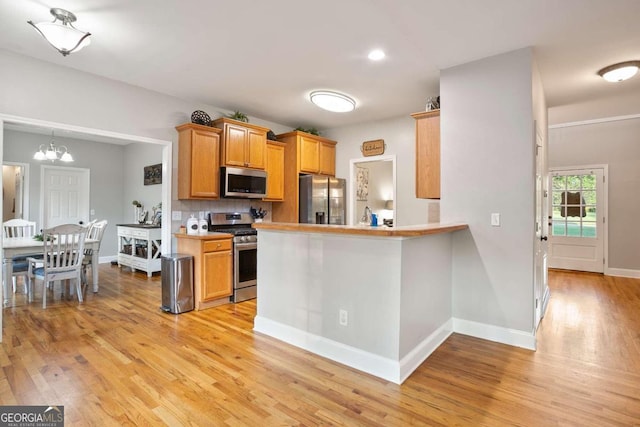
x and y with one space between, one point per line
275 171
198 162
427 154
303 153
242 144
317 155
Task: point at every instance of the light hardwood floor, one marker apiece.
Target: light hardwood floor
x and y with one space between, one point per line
118 360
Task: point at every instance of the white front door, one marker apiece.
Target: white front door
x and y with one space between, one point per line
64 196
577 219
541 282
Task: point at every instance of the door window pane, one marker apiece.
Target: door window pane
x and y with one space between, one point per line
558 228
573 228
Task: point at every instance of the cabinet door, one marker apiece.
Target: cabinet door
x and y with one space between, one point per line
216 275
428 157
275 172
309 155
256 149
235 143
205 164
327 159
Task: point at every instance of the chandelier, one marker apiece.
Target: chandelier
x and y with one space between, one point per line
51 152
61 34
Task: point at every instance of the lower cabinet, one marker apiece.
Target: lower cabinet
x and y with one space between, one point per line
212 267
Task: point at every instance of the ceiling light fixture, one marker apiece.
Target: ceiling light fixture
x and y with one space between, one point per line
52 152
62 35
376 55
620 72
332 101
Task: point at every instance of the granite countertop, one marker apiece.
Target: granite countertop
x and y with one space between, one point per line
381 231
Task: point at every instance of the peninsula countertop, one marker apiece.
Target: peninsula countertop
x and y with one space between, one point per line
381 231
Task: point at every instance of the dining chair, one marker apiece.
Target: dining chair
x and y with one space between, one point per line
95 232
19 228
63 254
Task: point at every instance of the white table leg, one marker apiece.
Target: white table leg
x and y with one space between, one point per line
94 270
7 269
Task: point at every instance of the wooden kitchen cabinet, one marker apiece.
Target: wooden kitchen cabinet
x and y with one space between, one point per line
275 171
317 155
212 267
198 162
427 154
303 153
242 144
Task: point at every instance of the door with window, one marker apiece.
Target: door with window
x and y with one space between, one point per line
577 237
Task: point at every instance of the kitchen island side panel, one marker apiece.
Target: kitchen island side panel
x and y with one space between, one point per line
395 292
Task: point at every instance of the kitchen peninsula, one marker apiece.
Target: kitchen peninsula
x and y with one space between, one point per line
374 298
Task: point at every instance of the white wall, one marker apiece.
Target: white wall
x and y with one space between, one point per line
487 149
400 139
40 90
616 143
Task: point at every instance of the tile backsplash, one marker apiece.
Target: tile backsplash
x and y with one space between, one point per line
193 207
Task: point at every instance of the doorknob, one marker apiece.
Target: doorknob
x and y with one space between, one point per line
543 238
81 222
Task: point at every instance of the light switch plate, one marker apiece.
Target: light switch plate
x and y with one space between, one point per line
495 219
176 215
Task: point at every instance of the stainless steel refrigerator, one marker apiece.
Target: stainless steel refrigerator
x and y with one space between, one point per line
322 200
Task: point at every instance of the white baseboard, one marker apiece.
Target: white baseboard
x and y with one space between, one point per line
382 367
623 272
495 333
107 259
419 354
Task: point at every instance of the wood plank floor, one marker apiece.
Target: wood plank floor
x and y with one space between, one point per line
118 360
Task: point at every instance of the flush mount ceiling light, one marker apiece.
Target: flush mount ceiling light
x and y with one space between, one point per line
332 101
62 35
52 152
620 72
376 55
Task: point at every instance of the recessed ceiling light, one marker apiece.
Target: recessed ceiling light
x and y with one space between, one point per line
332 101
376 55
620 72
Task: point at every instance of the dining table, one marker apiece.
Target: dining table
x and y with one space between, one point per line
17 246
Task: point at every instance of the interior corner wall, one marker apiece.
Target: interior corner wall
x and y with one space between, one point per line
617 144
399 135
488 166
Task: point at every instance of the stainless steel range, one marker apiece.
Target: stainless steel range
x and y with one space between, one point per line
245 251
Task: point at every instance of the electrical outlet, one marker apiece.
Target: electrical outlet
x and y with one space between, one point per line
92 212
344 317
176 215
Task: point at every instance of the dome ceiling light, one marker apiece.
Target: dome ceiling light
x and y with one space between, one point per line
376 55
332 101
620 72
62 35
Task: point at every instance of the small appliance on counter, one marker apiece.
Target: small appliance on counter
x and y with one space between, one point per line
193 225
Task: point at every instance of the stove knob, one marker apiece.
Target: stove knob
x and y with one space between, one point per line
243 239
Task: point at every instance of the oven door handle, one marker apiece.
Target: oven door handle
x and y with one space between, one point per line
245 246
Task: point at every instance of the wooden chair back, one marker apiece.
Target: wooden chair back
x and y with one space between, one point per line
19 228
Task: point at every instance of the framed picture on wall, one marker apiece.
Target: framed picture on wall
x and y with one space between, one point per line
362 184
153 174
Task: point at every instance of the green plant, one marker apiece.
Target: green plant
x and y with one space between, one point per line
312 131
137 204
237 115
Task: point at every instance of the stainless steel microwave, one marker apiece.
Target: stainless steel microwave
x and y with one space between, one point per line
243 183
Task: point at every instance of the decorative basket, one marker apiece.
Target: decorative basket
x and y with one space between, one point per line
200 117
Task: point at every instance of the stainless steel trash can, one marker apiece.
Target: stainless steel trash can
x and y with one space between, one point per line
177 283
